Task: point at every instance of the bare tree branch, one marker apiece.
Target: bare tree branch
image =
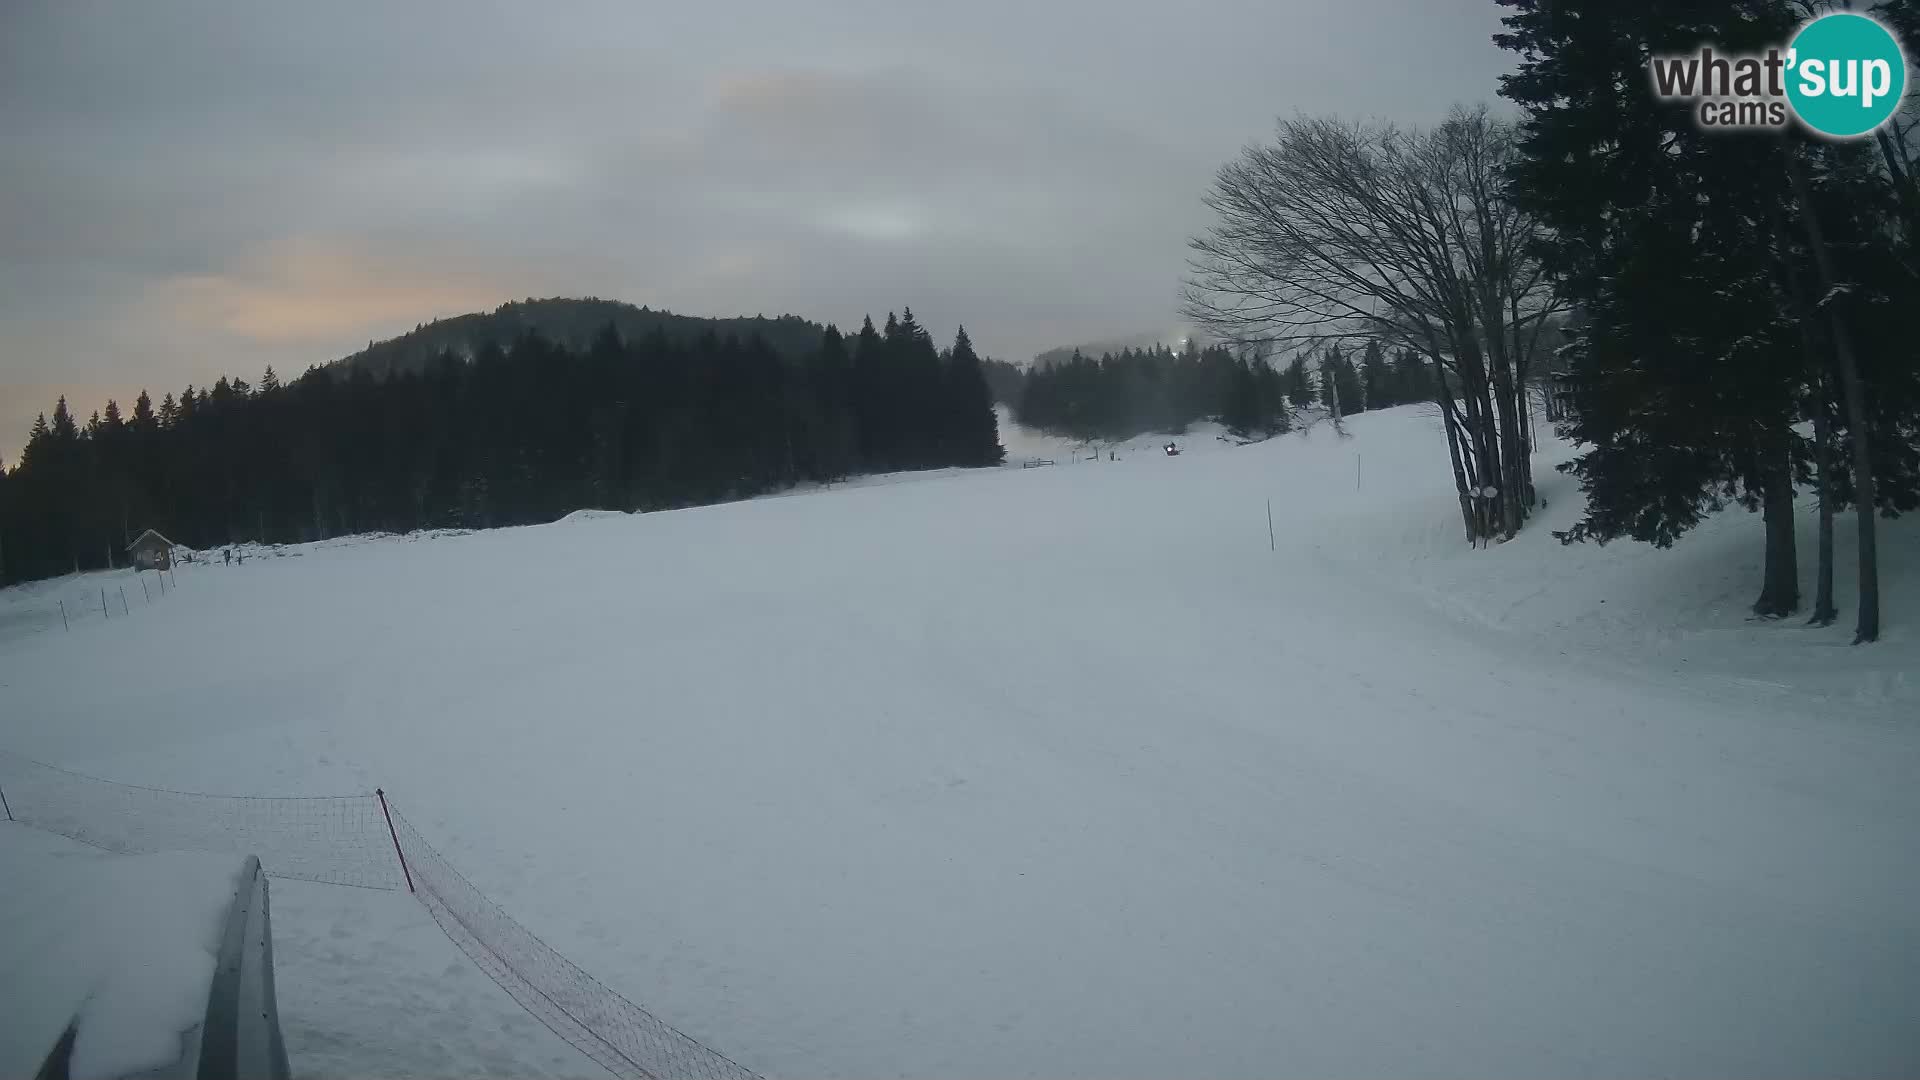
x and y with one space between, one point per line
1341 231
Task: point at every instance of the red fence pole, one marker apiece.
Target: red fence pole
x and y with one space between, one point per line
396 838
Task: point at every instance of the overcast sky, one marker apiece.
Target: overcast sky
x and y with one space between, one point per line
193 188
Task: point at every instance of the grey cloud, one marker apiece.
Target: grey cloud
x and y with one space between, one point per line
208 185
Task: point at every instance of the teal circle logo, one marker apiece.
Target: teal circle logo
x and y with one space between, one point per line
1846 75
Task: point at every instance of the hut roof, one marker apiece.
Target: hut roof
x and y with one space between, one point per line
149 535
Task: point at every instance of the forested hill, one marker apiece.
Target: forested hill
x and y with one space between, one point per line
570 324
524 433
1146 342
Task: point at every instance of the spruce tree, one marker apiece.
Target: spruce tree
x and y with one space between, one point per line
1340 391
64 431
1376 379
916 366
1273 399
38 438
830 378
1240 413
1412 380
975 427
874 407
1686 378
1299 383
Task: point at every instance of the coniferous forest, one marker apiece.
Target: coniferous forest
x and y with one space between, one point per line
1136 391
515 434
1722 312
1741 298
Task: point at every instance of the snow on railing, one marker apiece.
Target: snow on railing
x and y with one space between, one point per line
351 840
241 1033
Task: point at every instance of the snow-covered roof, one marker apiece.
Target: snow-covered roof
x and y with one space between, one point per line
142 538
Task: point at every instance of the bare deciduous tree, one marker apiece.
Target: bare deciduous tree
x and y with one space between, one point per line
1342 231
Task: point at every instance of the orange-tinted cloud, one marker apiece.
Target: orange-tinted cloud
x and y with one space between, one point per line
309 292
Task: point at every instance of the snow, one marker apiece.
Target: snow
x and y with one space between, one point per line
35 607
1024 444
369 986
120 946
1063 772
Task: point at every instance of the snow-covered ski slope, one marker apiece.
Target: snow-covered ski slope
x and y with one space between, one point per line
1062 772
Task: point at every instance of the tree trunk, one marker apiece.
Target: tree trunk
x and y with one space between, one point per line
1823 610
1527 445
1902 186
1512 486
1328 373
1502 417
1460 477
1453 451
1821 407
1523 369
1493 460
1854 396
1780 586
1508 385
1482 439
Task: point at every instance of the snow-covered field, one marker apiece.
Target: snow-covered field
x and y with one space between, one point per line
1062 772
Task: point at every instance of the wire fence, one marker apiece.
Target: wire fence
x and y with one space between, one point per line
338 840
59 605
626 1040
352 840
